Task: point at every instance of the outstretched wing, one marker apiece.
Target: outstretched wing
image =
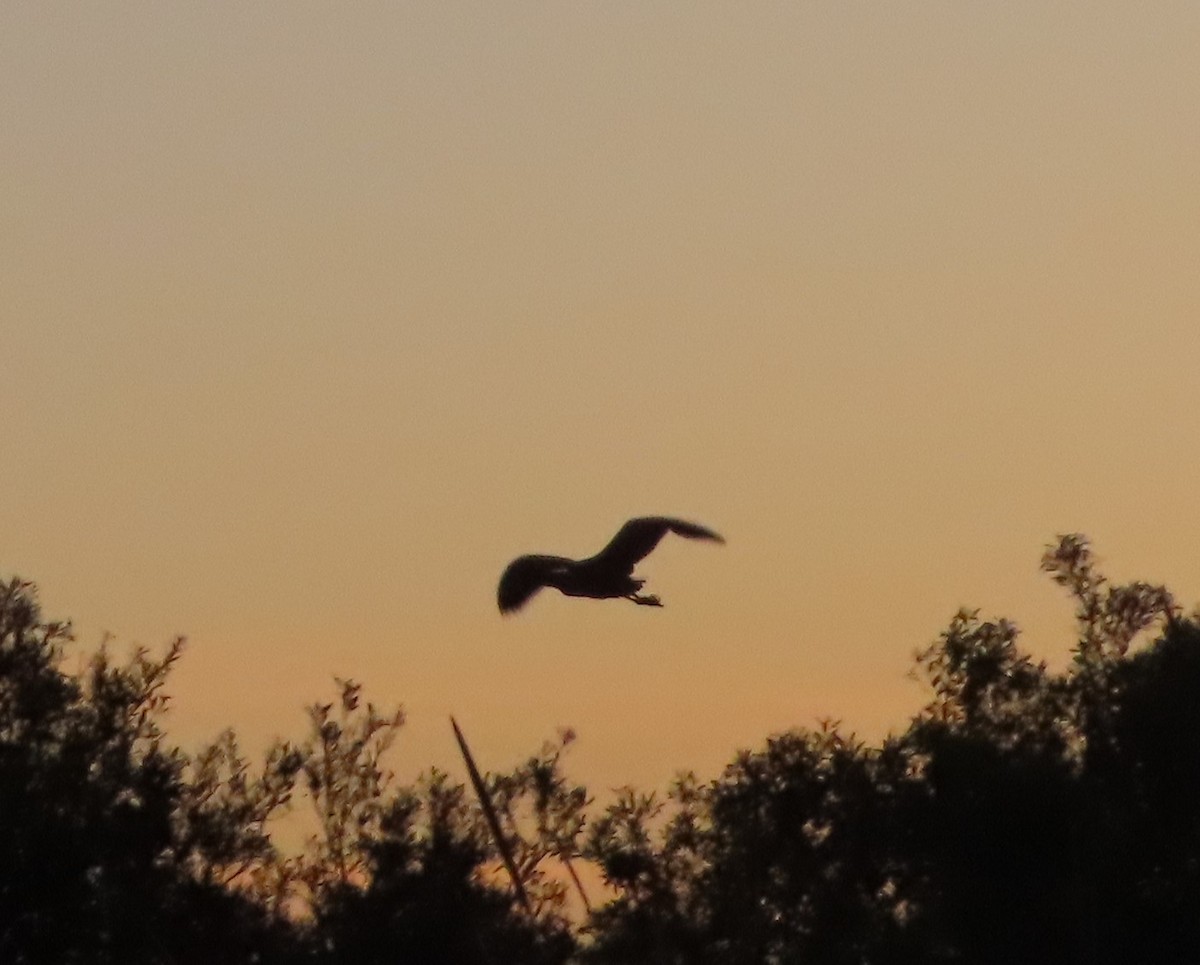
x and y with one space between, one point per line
636 539
522 578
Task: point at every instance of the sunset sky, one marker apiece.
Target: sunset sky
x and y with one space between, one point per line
315 315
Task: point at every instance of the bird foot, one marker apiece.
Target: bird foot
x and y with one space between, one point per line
647 600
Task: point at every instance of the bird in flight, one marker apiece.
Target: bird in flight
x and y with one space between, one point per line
605 576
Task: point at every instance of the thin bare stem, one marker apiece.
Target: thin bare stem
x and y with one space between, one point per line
493 821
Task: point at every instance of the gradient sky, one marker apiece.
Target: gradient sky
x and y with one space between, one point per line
314 315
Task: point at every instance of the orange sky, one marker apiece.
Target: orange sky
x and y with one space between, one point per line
315 315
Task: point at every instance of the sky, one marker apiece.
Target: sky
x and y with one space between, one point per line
315 315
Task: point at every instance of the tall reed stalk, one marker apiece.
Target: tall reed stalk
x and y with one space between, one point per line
492 819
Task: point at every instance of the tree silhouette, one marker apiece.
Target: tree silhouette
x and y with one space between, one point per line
117 847
425 901
1024 814
96 845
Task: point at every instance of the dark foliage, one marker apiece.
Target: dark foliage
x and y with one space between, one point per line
1024 815
95 857
117 848
423 903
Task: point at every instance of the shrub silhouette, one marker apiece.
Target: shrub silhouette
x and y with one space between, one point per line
117 847
96 852
424 902
1023 814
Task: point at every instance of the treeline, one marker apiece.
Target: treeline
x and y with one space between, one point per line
1024 815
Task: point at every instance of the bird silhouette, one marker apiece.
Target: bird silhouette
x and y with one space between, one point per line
605 576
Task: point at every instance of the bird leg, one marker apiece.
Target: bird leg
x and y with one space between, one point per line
648 600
